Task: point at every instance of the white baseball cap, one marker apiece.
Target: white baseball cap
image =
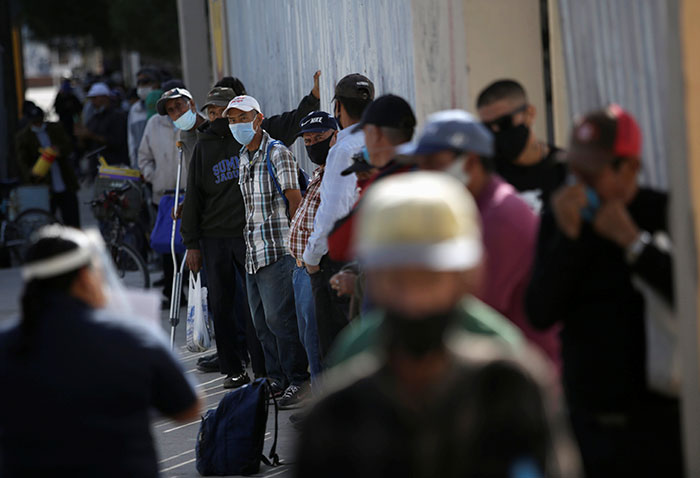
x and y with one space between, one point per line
99 89
425 219
243 103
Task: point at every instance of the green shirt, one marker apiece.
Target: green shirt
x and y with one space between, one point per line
473 316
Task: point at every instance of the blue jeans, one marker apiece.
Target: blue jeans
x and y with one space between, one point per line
271 300
306 319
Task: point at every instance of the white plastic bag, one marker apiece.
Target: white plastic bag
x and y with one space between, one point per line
661 328
198 336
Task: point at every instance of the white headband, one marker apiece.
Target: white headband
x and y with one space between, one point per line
57 265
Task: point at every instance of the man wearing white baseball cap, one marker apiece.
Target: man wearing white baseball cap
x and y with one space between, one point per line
436 363
270 187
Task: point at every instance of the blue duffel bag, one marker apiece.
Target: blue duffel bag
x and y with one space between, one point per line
231 437
160 237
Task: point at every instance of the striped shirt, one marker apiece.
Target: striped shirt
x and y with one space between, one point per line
303 222
267 226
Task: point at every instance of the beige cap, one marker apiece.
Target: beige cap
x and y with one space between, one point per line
425 219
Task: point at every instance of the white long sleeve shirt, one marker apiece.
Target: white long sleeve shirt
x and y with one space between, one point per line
338 193
158 156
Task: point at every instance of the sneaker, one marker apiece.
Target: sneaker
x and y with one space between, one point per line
209 366
276 389
208 358
294 397
235 381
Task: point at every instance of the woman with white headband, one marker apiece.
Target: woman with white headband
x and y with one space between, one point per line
78 387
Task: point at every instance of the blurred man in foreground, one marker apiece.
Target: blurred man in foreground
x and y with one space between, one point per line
417 406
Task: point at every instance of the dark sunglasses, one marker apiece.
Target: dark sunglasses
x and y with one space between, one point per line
504 122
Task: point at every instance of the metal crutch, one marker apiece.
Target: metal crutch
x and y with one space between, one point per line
177 280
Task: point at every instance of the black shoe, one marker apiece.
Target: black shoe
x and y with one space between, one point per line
235 381
208 367
208 358
294 397
276 389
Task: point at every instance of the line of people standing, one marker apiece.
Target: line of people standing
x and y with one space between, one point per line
552 226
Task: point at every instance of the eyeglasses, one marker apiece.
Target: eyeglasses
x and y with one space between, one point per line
504 122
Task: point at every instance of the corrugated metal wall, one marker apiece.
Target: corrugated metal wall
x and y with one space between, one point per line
614 52
276 46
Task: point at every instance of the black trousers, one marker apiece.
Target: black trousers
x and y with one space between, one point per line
331 310
67 203
224 260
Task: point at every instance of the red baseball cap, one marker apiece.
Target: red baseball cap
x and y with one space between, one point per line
603 135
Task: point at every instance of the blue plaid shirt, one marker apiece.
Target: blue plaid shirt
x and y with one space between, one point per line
267 226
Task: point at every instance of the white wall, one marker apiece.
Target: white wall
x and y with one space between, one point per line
276 46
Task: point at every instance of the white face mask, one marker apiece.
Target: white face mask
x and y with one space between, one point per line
143 91
456 170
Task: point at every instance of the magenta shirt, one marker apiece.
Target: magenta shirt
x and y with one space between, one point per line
510 234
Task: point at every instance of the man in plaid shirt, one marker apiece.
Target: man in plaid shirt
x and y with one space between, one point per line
319 130
265 167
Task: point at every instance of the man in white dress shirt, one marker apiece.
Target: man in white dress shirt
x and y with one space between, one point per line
338 195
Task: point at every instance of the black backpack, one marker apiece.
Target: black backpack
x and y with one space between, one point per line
231 437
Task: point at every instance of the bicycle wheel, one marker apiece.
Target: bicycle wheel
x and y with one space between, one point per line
130 267
19 232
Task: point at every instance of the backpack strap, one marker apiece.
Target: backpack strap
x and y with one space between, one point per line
274 459
270 170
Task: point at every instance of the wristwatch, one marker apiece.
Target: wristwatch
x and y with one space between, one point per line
635 249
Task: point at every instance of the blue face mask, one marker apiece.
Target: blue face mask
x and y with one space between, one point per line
365 154
187 121
243 132
588 213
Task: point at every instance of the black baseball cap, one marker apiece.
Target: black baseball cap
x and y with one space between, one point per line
389 110
219 96
316 122
356 86
359 165
34 113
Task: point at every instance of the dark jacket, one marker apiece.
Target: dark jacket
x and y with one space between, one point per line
213 204
111 125
27 149
586 284
478 421
285 127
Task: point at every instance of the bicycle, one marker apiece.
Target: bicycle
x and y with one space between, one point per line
130 266
16 233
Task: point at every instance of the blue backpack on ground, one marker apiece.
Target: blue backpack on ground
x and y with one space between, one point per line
302 177
231 437
160 237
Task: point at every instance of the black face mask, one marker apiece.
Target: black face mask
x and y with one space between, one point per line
511 142
220 127
417 336
319 151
